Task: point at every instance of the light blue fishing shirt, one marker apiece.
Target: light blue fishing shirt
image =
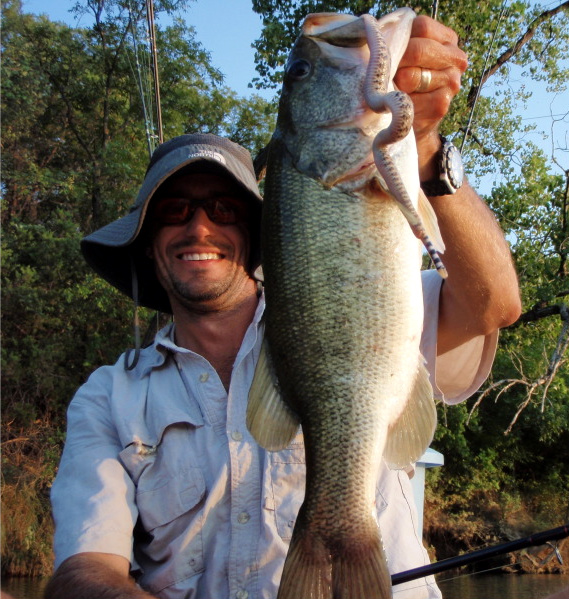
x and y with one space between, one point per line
167 445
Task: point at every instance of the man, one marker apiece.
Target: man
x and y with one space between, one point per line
160 476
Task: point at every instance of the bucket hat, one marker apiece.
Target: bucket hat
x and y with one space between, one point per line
116 251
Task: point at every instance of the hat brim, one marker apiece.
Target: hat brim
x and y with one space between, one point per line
112 251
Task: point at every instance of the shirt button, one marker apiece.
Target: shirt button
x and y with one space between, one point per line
242 594
236 436
243 518
203 377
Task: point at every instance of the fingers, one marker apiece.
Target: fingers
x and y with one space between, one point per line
415 79
424 26
432 46
431 53
430 72
430 108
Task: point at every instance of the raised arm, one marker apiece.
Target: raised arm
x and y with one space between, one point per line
481 293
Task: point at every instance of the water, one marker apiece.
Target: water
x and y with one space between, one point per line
502 586
24 588
497 586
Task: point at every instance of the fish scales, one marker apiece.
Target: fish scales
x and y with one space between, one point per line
342 324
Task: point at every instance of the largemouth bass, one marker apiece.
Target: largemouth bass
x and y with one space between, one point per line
344 304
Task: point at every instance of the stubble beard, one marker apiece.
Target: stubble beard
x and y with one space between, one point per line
192 298
212 297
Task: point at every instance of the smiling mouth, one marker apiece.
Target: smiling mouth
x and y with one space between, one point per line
194 257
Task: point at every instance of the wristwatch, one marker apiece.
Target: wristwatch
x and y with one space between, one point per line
451 172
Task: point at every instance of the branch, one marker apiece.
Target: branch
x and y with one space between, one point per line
521 42
537 312
544 381
541 310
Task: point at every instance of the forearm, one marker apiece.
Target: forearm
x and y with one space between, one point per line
94 576
481 293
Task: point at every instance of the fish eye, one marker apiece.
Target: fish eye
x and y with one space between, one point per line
299 69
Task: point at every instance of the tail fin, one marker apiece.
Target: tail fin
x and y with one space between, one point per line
347 568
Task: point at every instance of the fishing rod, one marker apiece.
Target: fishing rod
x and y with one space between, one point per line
152 32
539 538
434 9
148 88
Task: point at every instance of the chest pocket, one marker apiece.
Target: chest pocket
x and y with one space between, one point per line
160 501
287 475
170 494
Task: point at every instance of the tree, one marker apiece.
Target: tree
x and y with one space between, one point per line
75 148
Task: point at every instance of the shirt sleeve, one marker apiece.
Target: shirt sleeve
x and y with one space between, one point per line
458 373
92 496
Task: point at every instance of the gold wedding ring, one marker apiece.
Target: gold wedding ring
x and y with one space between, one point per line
426 77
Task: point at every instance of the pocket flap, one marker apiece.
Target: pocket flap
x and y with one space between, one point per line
172 498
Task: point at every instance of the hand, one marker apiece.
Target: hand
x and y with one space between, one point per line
432 46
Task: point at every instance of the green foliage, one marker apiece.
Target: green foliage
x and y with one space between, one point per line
59 319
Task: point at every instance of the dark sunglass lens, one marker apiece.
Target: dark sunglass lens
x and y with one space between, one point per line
222 212
173 211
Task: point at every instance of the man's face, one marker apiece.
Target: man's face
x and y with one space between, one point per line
201 264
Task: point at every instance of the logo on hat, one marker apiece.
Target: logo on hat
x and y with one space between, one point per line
210 154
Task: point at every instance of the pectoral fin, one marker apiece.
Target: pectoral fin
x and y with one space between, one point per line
430 223
411 434
271 422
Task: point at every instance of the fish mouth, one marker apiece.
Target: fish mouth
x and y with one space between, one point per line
363 176
364 170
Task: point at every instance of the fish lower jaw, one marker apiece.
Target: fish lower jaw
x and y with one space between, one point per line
361 177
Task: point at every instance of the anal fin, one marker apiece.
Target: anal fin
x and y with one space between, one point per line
411 434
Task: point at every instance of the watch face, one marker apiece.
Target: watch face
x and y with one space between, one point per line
451 172
453 166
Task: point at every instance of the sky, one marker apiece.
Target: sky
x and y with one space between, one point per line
228 38
227 28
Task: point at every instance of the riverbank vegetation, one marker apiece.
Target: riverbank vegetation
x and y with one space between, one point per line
76 106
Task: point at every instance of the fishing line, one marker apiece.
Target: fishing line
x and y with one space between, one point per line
146 75
471 116
440 581
144 84
545 116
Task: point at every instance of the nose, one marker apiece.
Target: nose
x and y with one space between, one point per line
199 222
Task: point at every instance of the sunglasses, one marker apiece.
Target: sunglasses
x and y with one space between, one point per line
179 211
